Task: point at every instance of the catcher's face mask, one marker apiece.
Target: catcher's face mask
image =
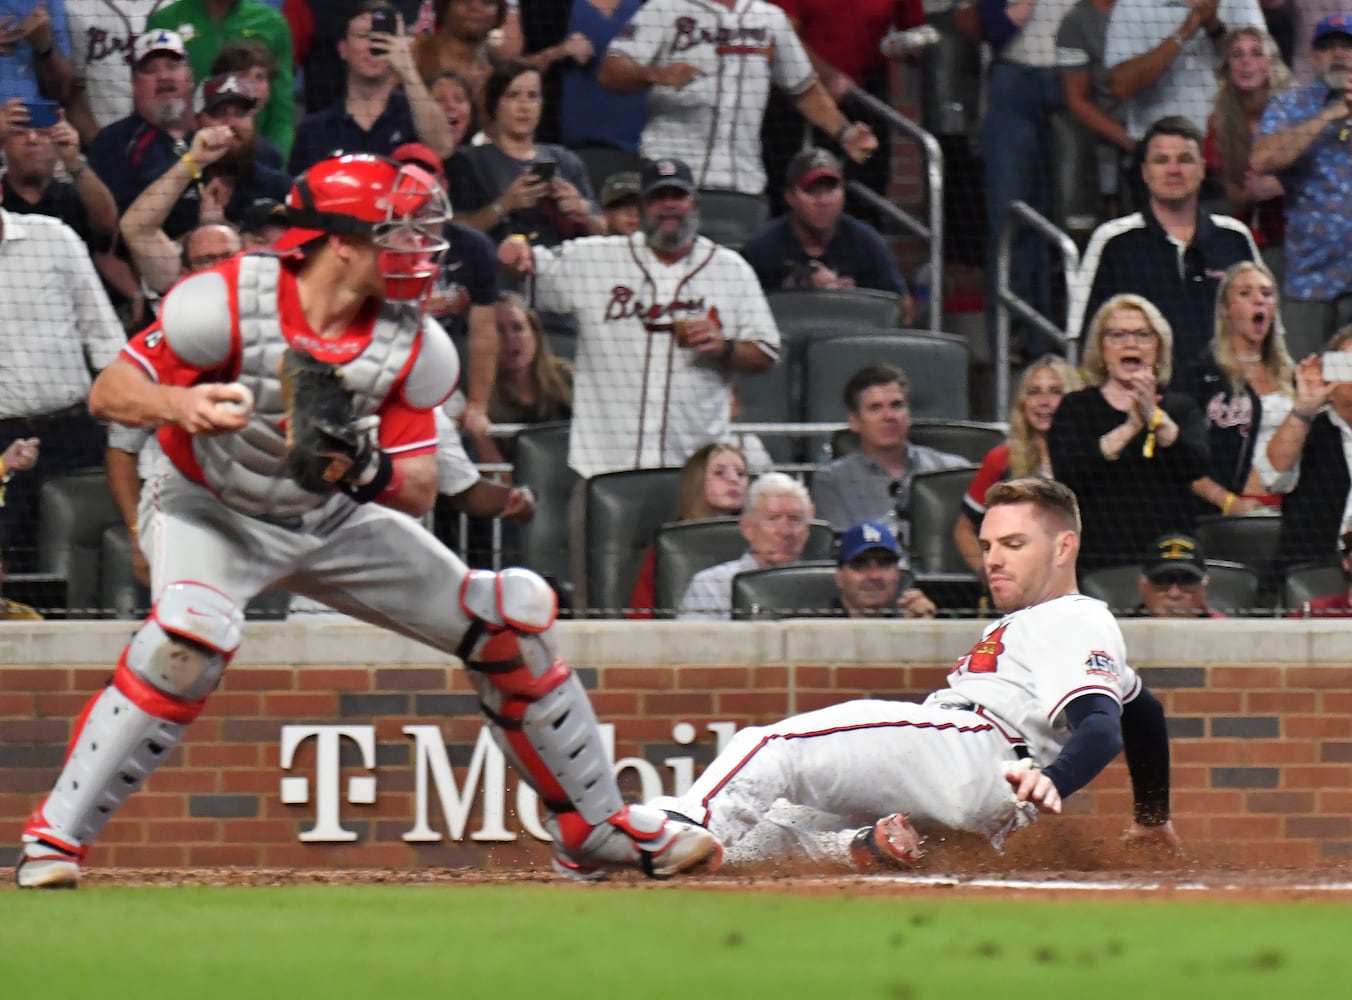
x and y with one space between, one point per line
411 240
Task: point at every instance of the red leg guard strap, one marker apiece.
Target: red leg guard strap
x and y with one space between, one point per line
151 701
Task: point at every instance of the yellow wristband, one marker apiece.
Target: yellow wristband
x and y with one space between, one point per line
1156 419
133 530
194 171
1230 499
4 469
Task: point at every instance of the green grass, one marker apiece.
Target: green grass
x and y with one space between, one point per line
654 942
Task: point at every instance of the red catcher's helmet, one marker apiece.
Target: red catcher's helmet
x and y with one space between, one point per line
399 206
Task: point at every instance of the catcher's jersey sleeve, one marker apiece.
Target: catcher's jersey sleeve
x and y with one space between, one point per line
1032 663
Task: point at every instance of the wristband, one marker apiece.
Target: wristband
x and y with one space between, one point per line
376 485
845 130
1304 418
1230 499
194 171
1156 418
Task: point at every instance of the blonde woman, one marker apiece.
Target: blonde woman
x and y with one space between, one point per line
1043 385
1243 386
1130 450
1251 72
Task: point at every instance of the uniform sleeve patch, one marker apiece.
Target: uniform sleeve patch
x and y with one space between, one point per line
1101 664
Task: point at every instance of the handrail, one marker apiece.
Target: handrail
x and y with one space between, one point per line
934 173
1021 213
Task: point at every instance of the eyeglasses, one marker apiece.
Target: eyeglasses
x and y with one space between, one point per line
1122 336
1167 581
865 562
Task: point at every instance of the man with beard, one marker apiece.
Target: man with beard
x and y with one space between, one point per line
219 176
1303 140
1171 252
664 318
816 245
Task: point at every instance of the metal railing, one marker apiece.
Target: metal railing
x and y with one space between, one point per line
1021 214
934 175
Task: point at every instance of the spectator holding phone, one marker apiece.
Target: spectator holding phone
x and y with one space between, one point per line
210 24
35 50
386 103
33 146
513 185
1313 443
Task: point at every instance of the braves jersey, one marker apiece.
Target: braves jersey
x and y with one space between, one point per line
639 400
101 36
1031 664
201 342
714 122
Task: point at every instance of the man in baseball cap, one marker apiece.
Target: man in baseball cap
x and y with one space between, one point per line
869 576
666 175
1174 579
619 203
151 43
228 88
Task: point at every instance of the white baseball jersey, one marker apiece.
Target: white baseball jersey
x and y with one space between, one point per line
639 400
101 36
714 122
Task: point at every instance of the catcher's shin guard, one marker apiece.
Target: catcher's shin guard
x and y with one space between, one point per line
544 722
127 730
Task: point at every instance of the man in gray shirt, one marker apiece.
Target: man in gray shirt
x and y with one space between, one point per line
874 482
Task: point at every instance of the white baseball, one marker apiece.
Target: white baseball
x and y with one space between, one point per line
243 401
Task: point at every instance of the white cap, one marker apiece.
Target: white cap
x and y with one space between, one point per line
157 41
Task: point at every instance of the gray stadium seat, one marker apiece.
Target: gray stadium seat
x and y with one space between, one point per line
561 331
1305 583
815 314
686 547
936 500
602 161
1233 589
622 512
968 438
1076 203
1248 538
542 464
76 509
769 399
803 590
729 217
935 363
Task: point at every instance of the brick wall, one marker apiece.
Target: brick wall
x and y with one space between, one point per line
1261 715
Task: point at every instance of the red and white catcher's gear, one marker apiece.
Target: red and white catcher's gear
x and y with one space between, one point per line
400 206
544 723
127 730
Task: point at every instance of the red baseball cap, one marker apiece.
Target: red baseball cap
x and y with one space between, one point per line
423 156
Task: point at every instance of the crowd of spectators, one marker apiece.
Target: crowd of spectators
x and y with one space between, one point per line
143 142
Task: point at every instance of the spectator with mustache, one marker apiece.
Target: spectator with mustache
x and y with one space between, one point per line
1303 141
1243 386
1127 447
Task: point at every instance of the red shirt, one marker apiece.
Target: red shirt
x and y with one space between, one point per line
403 429
847 35
994 469
1332 606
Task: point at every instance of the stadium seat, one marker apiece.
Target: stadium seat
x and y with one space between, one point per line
729 218
602 161
1305 583
121 593
936 500
1076 203
968 438
814 314
76 509
1248 538
803 590
935 363
686 547
542 464
622 512
1233 589
769 399
561 331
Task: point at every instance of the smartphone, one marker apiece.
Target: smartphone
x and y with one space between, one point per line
543 170
1338 366
385 20
42 114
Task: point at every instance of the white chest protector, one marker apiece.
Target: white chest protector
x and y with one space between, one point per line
245 469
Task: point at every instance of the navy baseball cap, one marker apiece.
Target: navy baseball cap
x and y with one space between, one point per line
1175 553
865 537
1334 24
667 174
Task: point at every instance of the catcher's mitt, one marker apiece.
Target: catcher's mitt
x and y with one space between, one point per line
327 448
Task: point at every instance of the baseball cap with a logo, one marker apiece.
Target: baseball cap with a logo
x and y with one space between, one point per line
226 87
1334 24
1175 553
813 165
619 187
667 174
867 536
159 42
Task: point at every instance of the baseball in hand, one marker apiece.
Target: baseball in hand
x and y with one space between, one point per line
241 401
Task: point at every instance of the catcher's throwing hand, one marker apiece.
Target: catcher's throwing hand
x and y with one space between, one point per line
1033 786
200 410
327 447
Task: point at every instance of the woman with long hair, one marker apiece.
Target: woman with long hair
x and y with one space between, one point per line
515 185
1251 72
532 385
1243 386
713 483
1129 448
1041 388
